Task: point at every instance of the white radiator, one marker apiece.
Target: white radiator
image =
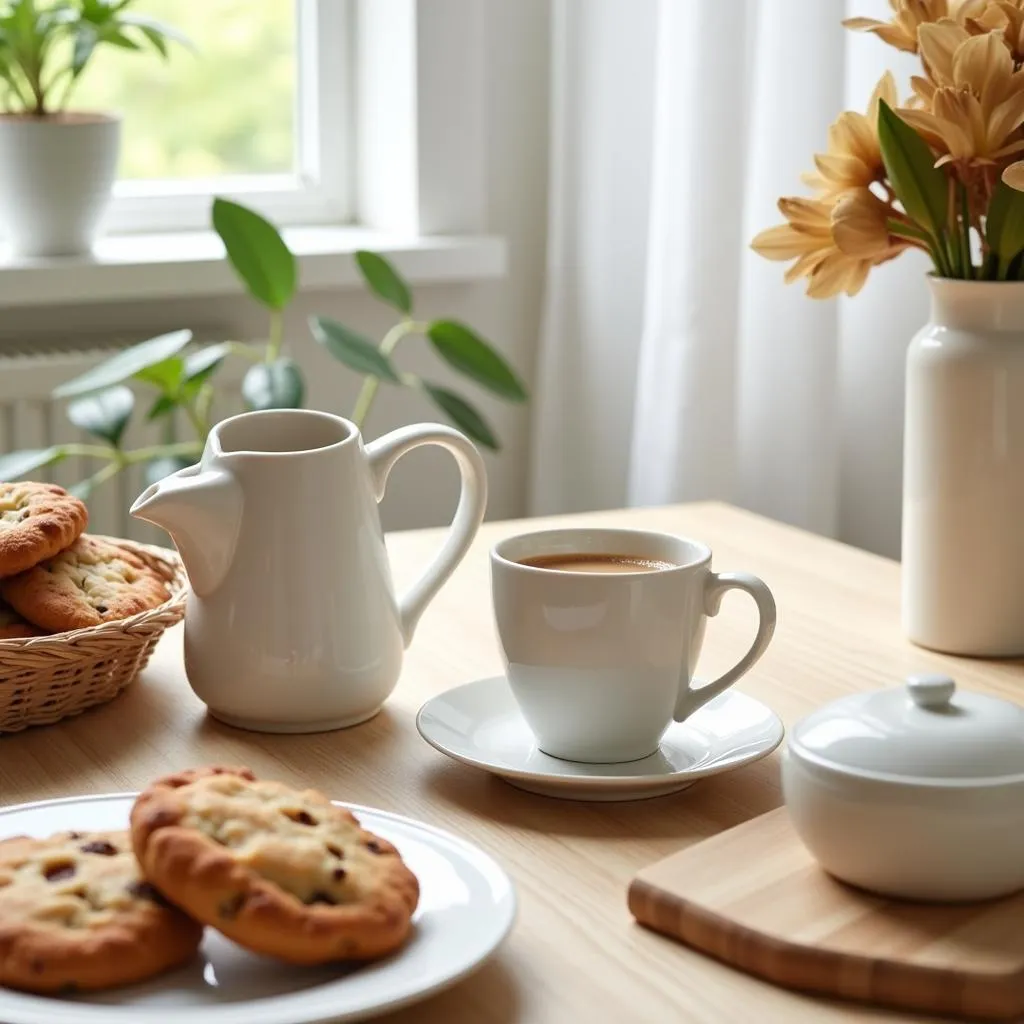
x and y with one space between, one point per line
29 418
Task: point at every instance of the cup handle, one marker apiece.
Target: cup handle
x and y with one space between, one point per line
715 586
382 455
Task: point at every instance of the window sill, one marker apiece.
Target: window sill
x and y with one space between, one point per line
186 264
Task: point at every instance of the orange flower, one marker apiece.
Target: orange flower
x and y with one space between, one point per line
807 238
975 97
860 225
853 158
909 15
1006 16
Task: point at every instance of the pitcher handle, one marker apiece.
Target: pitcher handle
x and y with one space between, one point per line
715 586
382 455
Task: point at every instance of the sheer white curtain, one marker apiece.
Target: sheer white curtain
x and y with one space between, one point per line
674 363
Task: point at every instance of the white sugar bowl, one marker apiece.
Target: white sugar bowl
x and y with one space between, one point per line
916 792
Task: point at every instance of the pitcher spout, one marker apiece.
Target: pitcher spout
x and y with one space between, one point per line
202 511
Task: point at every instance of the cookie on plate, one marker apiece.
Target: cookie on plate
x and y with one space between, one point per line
36 521
76 915
92 581
13 626
280 871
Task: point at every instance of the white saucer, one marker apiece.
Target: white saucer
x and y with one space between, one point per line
480 724
467 906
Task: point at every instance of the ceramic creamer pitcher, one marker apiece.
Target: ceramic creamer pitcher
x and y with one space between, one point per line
292 623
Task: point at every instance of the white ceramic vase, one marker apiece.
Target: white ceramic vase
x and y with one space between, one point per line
56 175
963 473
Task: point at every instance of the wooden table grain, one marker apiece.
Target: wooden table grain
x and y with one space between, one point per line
575 955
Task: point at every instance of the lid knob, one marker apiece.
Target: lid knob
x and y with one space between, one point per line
931 690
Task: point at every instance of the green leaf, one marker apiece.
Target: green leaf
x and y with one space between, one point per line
200 365
276 385
86 39
17 464
1004 226
156 40
104 414
154 30
463 415
164 466
125 364
383 279
464 349
161 407
355 350
257 252
910 165
165 375
113 35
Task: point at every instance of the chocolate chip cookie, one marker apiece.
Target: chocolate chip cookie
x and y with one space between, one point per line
279 871
13 626
93 581
36 521
76 915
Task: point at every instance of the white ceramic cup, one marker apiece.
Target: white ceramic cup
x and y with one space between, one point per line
602 663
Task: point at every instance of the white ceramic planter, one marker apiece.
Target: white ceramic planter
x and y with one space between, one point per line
915 793
56 174
963 474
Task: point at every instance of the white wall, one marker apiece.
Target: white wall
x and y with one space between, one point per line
423 487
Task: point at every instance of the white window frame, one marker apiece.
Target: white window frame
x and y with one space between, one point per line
319 192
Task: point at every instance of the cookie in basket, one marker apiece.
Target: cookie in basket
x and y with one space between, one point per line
13 626
280 871
92 581
36 521
75 914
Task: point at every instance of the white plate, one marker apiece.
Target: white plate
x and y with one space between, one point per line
480 724
467 906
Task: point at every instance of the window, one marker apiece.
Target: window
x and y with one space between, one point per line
257 111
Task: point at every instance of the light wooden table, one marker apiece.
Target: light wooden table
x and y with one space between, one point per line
575 956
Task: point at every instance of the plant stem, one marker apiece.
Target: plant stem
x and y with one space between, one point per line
965 224
96 451
154 451
198 424
111 469
368 392
68 89
250 352
275 336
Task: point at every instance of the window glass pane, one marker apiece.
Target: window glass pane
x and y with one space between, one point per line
226 108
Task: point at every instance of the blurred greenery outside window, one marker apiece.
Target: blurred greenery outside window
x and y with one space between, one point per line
224 117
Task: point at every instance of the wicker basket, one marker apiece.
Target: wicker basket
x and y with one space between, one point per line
44 679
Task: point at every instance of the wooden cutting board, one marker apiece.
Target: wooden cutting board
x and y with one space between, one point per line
753 897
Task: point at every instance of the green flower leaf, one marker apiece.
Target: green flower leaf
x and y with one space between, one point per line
257 252
200 365
464 349
919 185
355 350
276 385
104 414
165 375
125 364
384 280
462 415
17 464
164 405
1004 226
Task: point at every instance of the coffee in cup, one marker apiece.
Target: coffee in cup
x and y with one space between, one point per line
601 630
596 562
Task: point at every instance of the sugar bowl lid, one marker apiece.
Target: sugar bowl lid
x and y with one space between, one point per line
926 731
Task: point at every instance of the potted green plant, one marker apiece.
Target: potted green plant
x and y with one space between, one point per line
174 376
57 166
